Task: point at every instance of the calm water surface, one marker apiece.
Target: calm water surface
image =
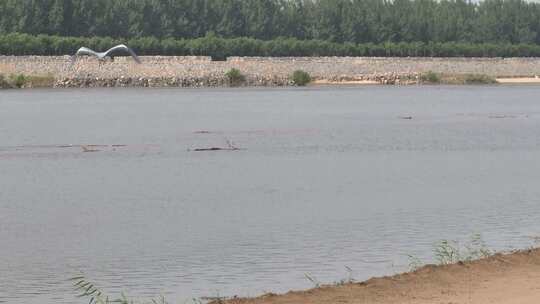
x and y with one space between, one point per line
325 178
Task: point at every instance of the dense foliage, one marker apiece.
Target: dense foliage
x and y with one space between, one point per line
223 28
300 78
220 48
356 21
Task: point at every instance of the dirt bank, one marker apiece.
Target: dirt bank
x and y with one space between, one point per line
511 278
171 71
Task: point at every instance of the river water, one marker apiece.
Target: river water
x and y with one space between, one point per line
109 183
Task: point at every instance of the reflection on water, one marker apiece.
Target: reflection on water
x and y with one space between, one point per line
120 185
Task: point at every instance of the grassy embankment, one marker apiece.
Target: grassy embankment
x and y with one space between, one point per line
24 81
236 78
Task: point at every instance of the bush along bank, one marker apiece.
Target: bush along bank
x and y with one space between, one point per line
468 79
301 78
235 78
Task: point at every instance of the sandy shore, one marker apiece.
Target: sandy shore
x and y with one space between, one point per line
510 279
519 80
171 71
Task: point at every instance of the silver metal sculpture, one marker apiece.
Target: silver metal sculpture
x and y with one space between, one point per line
84 51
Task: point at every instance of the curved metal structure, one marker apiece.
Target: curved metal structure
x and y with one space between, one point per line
84 51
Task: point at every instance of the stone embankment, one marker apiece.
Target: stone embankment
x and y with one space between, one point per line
160 71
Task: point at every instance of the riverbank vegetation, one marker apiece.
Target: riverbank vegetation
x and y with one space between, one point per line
4 83
300 78
447 252
24 81
235 77
95 295
220 48
469 79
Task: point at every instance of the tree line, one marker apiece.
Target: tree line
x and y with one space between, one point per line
431 22
220 48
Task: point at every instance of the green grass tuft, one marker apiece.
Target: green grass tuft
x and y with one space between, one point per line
450 252
235 77
88 290
18 80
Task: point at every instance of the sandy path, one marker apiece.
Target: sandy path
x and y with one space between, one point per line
508 279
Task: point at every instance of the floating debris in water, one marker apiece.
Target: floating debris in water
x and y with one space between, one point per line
230 147
211 149
87 149
501 116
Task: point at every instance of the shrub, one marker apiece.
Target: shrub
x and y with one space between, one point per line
23 81
4 84
18 80
301 78
456 79
430 77
235 77
479 79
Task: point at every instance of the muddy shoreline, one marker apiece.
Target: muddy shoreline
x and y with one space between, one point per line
502 278
196 71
